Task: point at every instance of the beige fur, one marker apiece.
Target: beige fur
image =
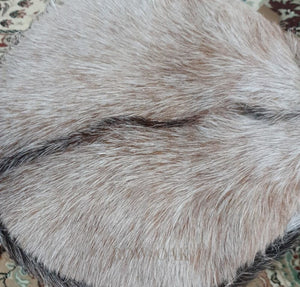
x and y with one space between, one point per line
137 206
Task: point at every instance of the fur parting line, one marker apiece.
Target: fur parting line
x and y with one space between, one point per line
150 143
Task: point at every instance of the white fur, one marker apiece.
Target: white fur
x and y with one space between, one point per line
185 206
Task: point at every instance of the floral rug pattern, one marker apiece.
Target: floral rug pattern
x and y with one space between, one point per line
283 273
255 4
17 16
12 275
289 12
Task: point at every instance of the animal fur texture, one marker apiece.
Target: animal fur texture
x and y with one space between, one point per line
150 142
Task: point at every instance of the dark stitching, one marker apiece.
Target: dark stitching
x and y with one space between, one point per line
86 136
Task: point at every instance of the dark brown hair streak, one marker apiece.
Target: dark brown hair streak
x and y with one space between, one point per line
92 134
95 131
261 113
86 136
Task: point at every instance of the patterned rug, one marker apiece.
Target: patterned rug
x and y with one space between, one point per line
17 16
289 12
12 275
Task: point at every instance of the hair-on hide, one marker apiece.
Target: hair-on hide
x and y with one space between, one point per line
150 143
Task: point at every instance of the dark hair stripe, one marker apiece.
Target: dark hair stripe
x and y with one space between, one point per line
95 131
86 136
259 113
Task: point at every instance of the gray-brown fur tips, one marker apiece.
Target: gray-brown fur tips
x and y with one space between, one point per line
150 142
